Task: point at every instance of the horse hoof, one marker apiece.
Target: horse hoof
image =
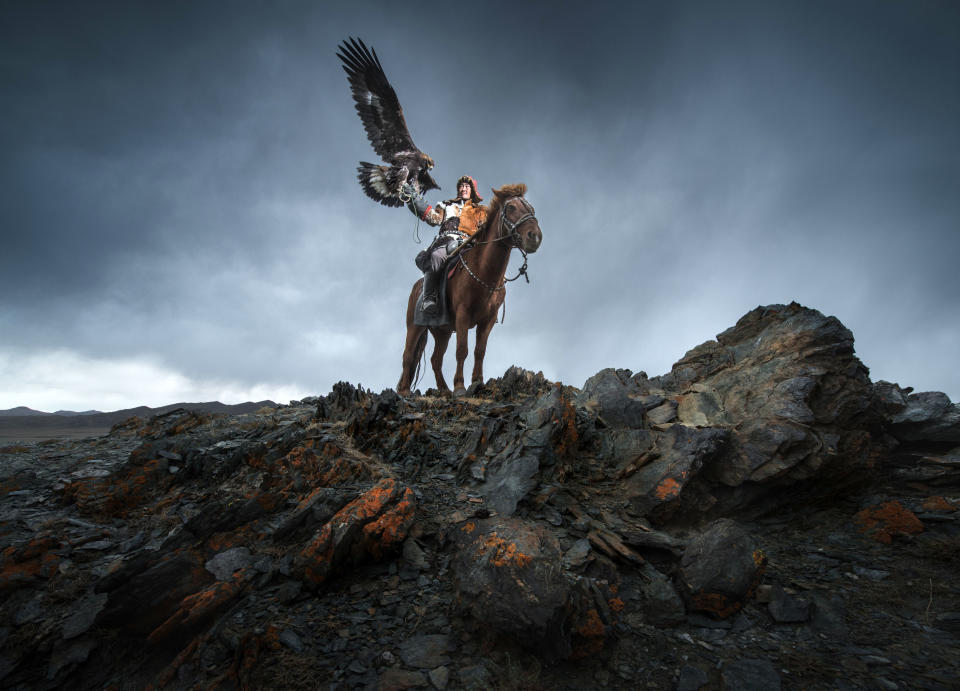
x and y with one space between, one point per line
459 391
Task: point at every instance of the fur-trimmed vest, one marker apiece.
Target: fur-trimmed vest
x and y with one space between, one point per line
472 216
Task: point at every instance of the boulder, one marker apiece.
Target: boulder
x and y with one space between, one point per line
777 400
508 574
720 569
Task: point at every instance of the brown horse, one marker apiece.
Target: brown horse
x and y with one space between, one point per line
476 291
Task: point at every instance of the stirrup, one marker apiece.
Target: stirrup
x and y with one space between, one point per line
430 302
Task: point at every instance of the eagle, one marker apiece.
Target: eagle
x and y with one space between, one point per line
379 109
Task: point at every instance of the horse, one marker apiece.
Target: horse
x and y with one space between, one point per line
475 292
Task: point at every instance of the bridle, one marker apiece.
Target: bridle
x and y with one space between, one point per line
512 226
512 235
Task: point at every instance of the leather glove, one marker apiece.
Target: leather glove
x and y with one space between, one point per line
418 206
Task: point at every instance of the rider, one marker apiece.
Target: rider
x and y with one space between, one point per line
458 218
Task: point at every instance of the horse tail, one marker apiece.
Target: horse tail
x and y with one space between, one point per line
420 355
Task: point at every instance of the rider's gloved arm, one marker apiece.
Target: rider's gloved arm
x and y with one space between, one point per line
418 205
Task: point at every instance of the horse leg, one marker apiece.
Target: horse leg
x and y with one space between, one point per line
416 342
441 337
463 333
480 348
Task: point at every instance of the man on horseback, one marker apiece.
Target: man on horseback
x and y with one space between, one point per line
458 218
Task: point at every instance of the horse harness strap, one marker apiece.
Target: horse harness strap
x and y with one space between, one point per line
478 279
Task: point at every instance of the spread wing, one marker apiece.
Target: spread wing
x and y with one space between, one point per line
375 99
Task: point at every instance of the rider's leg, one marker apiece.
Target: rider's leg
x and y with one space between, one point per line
431 290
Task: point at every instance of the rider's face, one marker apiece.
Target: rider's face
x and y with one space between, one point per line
464 190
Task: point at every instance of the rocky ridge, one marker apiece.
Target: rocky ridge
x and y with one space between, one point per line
763 515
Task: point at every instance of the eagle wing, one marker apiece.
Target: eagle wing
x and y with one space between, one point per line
376 101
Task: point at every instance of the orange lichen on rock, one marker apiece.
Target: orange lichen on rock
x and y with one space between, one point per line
938 504
717 604
590 633
567 437
317 556
201 605
28 563
668 488
884 521
385 515
116 496
504 553
390 529
592 626
616 604
469 527
306 467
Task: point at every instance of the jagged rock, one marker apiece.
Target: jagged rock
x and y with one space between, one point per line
610 394
663 413
198 609
316 508
517 381
925 417
577 555
228 562
661 605
341 402
68 654
413 555
84 616
683 451
145 592
370 526
720 569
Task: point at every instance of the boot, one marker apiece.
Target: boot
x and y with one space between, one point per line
431 287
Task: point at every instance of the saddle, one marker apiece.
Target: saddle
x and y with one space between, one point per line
443 315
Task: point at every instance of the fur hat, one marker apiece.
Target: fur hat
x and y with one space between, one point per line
474 196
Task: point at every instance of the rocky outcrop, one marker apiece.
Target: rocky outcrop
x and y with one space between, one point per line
919 417
777 402
738 520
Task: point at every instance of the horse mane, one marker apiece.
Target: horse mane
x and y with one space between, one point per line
516 189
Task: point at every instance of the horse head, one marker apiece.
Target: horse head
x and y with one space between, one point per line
518 221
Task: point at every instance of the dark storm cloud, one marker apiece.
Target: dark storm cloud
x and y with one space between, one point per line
178 179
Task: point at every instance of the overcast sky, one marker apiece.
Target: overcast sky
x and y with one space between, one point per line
181 220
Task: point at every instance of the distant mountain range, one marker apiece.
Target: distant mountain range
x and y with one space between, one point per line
22 410
22 417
